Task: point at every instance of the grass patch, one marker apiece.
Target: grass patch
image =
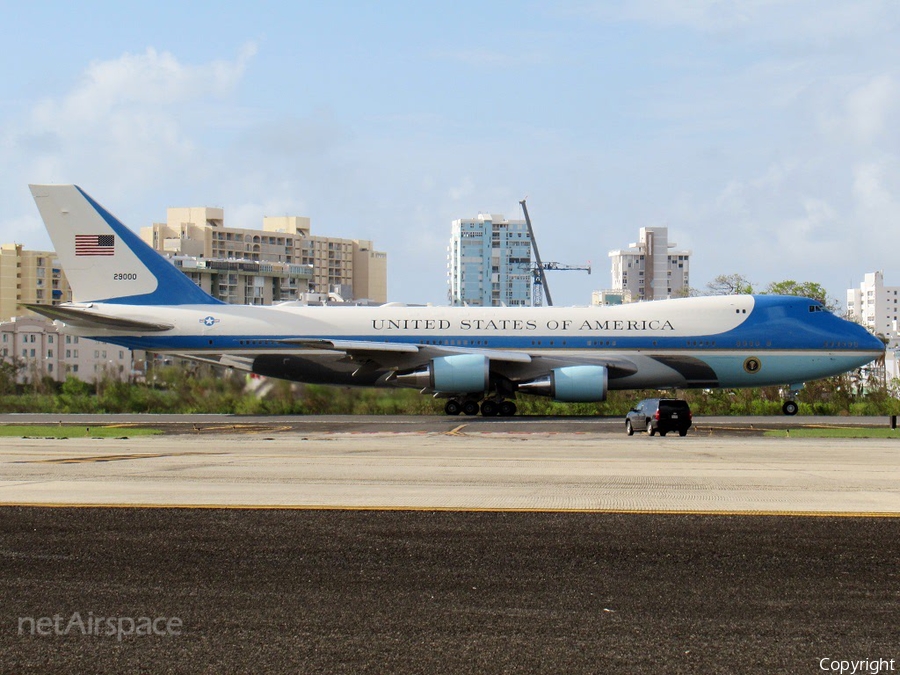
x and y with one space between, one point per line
74 431
838 432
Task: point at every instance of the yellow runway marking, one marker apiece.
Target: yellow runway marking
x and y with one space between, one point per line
456 431
87 460
113 458
241 428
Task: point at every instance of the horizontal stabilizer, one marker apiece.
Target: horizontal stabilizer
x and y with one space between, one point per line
83 318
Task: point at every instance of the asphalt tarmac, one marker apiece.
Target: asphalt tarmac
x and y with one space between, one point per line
457 469
306 591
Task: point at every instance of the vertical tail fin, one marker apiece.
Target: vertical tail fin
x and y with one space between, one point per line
103 260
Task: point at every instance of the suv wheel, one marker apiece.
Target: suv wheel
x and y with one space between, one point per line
650 430
628 428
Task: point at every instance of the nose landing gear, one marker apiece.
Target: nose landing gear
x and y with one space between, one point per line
791 406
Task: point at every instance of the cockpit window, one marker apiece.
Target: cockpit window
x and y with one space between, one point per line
816 308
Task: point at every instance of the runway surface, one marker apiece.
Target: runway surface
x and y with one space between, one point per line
205 423
449 549
458 469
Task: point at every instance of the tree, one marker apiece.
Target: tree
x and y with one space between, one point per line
9 375
730 284
686 292
807 289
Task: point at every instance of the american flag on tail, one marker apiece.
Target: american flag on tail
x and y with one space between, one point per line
95 244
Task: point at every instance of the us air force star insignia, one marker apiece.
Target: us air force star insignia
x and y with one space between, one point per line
210 320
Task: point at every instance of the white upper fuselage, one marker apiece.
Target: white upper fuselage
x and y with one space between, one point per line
791 342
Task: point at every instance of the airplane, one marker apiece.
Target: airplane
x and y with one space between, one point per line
477 358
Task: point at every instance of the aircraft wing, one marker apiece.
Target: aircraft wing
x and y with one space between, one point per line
354 346
387 353
242 363
516 365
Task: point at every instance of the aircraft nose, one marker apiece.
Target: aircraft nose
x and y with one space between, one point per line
872 343
867 341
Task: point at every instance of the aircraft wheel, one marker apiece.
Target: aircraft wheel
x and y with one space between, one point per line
470 407
489 408
650 430
453 407
507 409
790 408
628 428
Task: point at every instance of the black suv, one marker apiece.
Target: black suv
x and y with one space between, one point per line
659 414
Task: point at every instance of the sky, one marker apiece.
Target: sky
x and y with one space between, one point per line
765 135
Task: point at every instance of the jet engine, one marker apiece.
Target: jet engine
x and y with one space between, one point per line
571 384
458 374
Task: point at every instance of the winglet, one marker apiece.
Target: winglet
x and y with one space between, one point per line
104 261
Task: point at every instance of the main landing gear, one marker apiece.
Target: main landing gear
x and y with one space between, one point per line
489 407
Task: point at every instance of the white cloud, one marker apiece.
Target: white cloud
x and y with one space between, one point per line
151 80
125 123
129 128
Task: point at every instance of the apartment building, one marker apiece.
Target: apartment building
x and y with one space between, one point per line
29 277
199 232
877 307
38 350
489 262
651 268
247 282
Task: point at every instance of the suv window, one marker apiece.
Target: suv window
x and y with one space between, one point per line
673 404
648 406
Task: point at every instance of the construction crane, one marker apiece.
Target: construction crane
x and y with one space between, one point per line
539 286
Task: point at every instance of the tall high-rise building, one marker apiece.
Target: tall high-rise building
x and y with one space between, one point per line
29 277
651 268
877 307
201 232
489 262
